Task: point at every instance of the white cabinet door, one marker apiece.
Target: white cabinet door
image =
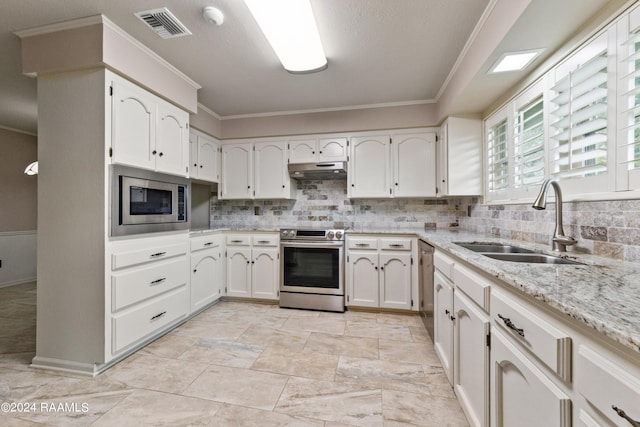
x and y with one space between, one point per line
414 165
521 395
369 169
239 271
471 360
237 171
395 280
459 148
133 126
271 177
172 155
205 278
303 151
208 159
332 150
265 273
362 274
443 322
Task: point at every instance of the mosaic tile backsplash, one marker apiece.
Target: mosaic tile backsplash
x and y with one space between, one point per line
324 204
607 228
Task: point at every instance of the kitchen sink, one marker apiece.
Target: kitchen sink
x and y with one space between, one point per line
513 253
534 258
494 247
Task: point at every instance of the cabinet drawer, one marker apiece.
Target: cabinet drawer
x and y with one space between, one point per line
155 253
474 285
149 317
549 344
443 263
239 240
363 243
265 240
205 242
130 287
604 384
396 244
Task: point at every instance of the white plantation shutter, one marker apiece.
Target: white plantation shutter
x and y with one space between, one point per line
579 128
498 157
528 144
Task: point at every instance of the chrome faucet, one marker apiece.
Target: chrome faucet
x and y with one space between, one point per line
559 241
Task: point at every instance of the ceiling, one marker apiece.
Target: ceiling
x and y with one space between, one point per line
379 51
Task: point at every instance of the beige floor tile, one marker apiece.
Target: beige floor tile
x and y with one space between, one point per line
151 408
408 352
222 352
17 361
232 415
300 364
332 402
10 421
382 374
400 319
169 346
259 390
415 409
378 330
342 345
321 324
155 373
223 329
420 334
265 336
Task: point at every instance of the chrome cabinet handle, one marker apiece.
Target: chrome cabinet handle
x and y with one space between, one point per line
362 245
157 316
621 413
396 245
208 244
511 326
264 242
158 254
157 282
236 241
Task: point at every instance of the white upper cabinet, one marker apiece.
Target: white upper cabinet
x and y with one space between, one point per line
204 157
318 150
255 171
148 132
459 168
396 165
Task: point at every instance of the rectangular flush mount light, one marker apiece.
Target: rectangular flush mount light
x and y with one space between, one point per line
514 61
290 28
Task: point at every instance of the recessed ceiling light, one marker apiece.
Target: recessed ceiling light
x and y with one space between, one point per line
290 28
514 61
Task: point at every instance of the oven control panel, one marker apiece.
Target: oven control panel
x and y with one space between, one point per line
318 235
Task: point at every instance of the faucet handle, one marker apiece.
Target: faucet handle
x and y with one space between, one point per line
565 240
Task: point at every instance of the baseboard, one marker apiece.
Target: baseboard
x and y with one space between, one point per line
68 366
18 282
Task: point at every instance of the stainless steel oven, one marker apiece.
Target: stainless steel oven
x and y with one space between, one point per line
312 269
145 201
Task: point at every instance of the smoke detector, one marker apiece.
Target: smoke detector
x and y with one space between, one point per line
163 22
213 15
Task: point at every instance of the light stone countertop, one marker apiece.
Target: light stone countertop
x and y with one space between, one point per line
603 294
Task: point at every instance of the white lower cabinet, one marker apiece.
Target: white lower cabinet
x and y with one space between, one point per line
206 271
253 267
443 322
521 394
380 272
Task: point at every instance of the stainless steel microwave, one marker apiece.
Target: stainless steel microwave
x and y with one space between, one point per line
147 202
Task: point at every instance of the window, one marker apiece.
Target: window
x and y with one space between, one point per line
498 156
528 144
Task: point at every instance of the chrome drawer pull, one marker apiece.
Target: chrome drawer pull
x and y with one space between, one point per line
158 254
264 242
621 413
510 325
157 282
396 245
157 316
362 245
236 241
208 244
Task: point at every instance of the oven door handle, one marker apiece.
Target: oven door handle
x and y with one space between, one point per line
329 244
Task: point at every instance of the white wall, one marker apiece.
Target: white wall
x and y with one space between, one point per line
18 255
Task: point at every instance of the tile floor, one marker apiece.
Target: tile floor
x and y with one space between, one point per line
239 364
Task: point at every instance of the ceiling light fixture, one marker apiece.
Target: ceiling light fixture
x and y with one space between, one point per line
290 28
213 15
32 169
514 61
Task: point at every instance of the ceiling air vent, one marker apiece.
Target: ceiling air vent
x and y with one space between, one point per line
163 23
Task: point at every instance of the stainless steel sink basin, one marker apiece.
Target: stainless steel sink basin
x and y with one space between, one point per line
531 258
513 253
494 247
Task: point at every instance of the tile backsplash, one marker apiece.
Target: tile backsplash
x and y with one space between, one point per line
605 228
324 204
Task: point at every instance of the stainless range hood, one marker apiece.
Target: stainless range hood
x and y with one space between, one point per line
325 170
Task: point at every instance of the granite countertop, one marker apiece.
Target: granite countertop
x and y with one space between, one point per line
603 294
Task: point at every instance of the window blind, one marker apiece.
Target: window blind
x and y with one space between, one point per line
578 143
528 144
498 157
630 155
